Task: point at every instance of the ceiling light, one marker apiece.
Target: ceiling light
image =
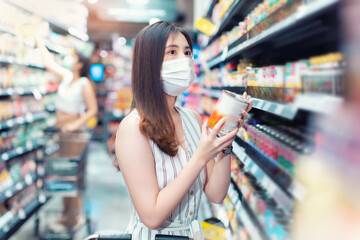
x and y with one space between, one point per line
121 41
153 20
137 2
103 53
79 34
92 1
126 12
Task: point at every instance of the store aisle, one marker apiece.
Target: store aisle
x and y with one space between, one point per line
106 195
109 200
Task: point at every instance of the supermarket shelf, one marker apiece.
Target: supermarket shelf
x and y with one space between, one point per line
24 91
57 48
11 191
245 214
50 108
13 153
53 25
28 118
13 60
235 13
302 13
211 7
282 195
12 224
280 109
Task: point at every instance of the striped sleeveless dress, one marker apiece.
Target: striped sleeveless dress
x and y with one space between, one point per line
183 220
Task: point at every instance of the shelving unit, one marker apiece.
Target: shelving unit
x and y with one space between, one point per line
21 150
13 60
281 39
28 150
306 13
245 214
14 223
11 191
28 118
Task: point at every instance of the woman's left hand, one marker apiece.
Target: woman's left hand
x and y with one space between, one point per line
70 127
245 112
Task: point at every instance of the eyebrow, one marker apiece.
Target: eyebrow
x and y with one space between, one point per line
173 45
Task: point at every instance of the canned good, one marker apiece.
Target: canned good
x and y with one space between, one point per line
230 105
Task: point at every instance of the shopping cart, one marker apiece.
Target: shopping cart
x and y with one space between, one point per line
122 236
63 175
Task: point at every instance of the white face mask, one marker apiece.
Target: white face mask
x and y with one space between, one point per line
177 75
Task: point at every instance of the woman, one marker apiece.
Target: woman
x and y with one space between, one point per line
166 156
75 94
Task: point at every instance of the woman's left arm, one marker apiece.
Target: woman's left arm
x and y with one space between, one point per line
218 173
89 96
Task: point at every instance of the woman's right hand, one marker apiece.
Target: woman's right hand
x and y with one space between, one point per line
210 145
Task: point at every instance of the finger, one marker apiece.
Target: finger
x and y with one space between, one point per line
241 123
249 107
217 127
245 95
204 128
244 115
226 145
228 136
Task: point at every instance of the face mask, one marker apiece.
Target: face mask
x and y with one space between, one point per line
177 75
68 62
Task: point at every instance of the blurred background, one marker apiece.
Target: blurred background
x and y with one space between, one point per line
295 163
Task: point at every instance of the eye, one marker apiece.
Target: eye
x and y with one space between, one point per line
172 52
188 53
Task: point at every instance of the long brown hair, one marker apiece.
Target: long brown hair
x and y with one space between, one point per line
147 88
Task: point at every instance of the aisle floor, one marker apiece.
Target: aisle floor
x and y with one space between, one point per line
106 193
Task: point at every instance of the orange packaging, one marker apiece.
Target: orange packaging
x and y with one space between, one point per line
230 105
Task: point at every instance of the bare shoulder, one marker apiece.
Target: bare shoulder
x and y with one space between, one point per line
129 127
197 116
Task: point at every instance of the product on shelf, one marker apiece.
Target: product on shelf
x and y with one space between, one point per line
20 106
5 178
270 217
280 143
262 17
6 140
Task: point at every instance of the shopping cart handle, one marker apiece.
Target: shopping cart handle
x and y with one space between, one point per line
110 236
170 237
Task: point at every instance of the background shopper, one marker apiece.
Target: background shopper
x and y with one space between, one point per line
75 104
175 163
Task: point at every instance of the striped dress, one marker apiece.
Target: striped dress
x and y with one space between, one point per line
182 221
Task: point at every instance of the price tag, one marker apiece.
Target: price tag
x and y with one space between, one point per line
29 117
224 53
28 179
8 193
10 123
10 91
19 186
279 109
19 150
29 145
20 91
42 198
267 106
5 156
21 214
20 120
298 191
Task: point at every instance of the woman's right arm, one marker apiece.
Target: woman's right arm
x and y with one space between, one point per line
137 164
49 61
